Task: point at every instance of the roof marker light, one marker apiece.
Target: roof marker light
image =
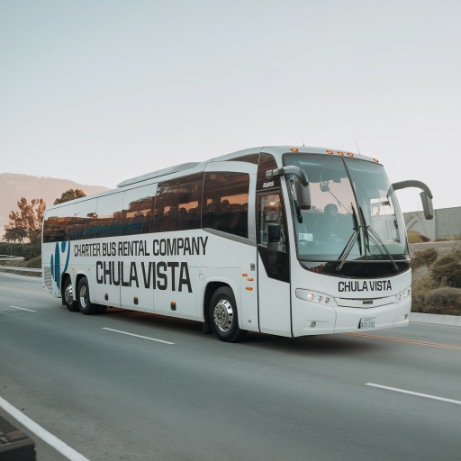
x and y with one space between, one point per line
294 149
341 154
329 152
350 155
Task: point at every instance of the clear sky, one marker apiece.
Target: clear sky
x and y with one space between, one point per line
100 91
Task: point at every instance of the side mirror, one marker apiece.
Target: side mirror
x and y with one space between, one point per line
427 205
302 194
426 195
290 169
274 232
299 182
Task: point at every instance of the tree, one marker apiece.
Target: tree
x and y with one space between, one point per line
70 194
27 222
14 234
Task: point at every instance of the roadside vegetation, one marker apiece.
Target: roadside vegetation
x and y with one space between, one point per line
21 255
22 237
437 281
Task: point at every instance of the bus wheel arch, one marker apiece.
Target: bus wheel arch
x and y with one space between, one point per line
67 293
222 313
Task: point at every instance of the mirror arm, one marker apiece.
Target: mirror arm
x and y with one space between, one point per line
291 169
412 183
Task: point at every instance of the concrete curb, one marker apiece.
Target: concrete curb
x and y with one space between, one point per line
437 319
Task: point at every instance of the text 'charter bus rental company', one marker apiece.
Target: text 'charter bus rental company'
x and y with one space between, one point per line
289 241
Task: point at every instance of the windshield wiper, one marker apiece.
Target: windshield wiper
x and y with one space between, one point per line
372 235
299 216
350 243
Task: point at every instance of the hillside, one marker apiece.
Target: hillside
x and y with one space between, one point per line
15 186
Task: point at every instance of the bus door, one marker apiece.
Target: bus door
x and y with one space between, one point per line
273 264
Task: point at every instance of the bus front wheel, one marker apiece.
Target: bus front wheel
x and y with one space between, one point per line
85 306
223 316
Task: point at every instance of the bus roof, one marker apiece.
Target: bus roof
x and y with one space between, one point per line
277 151
280 150
158 173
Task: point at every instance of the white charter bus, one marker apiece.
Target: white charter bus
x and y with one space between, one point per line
290 241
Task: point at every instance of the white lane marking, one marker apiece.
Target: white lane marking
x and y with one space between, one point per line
418 394
22 309
138 336
38 430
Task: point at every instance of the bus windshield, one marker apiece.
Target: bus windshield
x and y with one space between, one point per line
353 213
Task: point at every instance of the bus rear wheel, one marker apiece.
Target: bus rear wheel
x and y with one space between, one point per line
68 295
223 316
85 306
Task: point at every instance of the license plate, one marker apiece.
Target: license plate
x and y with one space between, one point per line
367 323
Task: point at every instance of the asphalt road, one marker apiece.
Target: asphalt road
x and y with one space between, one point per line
131 386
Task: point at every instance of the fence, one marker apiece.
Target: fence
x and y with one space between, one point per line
446 225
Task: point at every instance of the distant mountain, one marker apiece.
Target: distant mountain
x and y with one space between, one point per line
15 186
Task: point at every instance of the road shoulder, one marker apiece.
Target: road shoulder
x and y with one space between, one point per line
437 319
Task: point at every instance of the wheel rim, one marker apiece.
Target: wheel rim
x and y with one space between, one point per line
223 315
83 296
68 294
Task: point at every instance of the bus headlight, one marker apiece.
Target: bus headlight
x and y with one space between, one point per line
314 296
403 295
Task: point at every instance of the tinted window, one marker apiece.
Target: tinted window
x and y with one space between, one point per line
250 158
106 220
225 202
178 204
57 222
84 219
137 214
266 162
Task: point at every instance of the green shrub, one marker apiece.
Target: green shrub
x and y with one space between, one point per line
26 250
34 262
420 289
424 258
445 300
446 271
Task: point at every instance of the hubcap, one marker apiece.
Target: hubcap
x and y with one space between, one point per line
68 294
223 315
83 296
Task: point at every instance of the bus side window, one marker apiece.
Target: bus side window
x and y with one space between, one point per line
225 202
177 206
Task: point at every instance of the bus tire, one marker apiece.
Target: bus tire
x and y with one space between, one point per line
85 306
101 309
68 293
223 316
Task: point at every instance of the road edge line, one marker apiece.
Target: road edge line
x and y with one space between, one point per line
42 433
